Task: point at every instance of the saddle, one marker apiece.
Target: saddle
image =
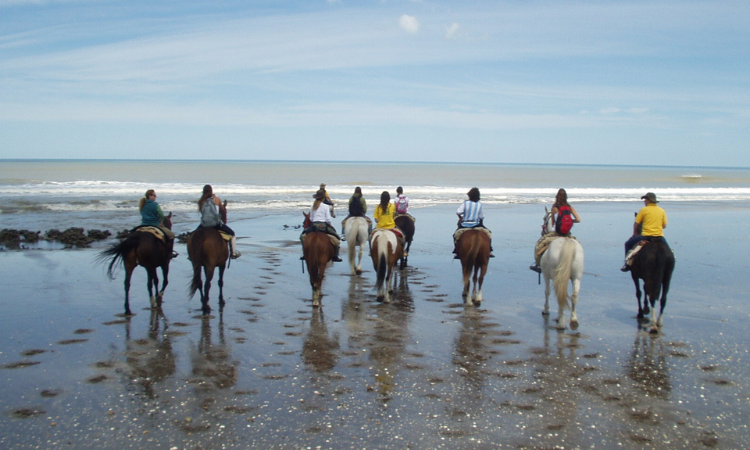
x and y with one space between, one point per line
226 236
322 228
461 231
637 247
153 230
399 234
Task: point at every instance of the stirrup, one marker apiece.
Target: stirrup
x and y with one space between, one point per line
536 268
175 254
236 255
336 259
625 268
492 255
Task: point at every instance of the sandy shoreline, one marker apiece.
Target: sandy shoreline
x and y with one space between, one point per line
421 373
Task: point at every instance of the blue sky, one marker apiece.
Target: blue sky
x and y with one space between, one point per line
585 82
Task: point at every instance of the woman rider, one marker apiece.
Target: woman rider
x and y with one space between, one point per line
561 201
321 221
210 207
384 213
152 216
357 208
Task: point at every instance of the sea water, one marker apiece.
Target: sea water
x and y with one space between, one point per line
43 194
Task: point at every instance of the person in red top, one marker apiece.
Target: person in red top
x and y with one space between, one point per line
561 201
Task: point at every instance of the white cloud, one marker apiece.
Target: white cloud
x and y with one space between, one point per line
410 24
451 31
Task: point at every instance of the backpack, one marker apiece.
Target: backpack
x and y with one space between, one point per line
355 207
209 216
564 221
402 204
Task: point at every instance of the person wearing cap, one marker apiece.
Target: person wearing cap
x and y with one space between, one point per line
327 200
651 220
321 221
471 215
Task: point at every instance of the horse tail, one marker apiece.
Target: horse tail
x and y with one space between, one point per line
382 262
117 252
561 276
196 245
476 244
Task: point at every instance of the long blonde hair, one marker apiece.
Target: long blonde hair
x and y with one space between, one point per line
144 198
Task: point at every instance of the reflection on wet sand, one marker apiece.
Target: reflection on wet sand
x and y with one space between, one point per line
319 350
648 367
152 360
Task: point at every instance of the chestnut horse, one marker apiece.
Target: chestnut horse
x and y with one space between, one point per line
406 225
207 250
473 249
385 249
318 250
141 248
653 264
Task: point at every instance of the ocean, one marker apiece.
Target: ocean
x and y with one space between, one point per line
43 194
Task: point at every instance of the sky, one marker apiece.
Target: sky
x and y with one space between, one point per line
660 82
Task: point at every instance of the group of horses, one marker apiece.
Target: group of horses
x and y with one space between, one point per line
561 264
207 250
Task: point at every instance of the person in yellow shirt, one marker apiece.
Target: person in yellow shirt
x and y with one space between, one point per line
651 220
384 212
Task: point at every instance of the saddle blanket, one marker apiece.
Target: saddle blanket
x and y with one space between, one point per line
153 230
335 241
461 231
399 234
634 251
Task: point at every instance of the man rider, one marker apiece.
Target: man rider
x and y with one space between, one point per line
652 219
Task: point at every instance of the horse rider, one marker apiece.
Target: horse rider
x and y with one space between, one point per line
561 204
357 208
327 200
321 221
211 213
471 215
402 204
652 220
383 216
152 216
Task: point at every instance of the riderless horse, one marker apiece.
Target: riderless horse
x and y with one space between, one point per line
318 251
208 250
653 264
356 236
385 249
142 248
562 262
405 223
473 249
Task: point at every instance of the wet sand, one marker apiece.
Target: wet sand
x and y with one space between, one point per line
423 372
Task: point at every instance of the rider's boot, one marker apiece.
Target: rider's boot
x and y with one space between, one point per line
235 253
625 267
336 254
535 267
172 253
492 255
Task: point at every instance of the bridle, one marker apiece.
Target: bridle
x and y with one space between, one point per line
547 223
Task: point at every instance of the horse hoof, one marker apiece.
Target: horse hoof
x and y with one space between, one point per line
654 330
574 325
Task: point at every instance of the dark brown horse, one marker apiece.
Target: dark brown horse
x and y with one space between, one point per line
473 249
141 248
318 250
385 249
406 224
207 250
653 264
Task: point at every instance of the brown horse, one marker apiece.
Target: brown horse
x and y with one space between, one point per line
141 248
653 264
473 249
318 250
385 249
406 225
207 250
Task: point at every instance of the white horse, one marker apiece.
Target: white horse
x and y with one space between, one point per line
562 262
356 236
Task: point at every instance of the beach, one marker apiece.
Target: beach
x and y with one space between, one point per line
271 371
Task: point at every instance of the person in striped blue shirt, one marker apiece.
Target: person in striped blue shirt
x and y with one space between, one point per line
470 215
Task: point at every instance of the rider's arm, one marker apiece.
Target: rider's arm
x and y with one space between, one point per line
160 214
576 217
635 228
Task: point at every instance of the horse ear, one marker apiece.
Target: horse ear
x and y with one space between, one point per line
546 210
170 215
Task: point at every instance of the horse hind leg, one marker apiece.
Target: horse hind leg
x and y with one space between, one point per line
573 303
209 274
547 291
153 286
128 274
165 282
